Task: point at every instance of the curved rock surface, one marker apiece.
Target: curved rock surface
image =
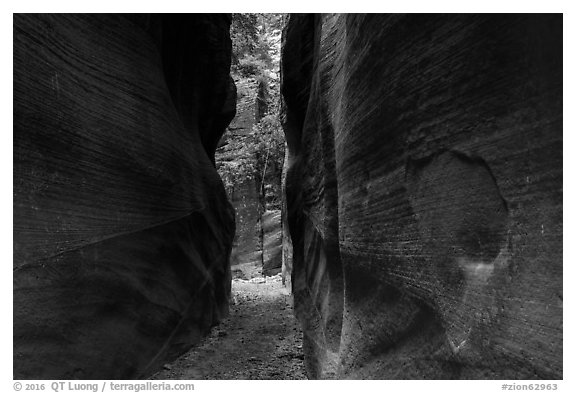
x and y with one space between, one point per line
122 228
424 194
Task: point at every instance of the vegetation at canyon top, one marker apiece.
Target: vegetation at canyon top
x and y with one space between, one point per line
256 39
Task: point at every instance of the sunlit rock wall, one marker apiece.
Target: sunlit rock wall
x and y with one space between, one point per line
424 194
122 228
247 248
258 244
234 150
271 242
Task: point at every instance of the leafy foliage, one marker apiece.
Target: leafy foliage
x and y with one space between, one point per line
256 43
270 158
243 167
258 155
244 34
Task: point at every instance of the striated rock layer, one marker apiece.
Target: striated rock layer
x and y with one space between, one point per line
424 193
122 228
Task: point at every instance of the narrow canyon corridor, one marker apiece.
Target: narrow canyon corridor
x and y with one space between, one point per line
261 339
288 196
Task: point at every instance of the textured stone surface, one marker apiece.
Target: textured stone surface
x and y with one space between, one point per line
286 239
271 242
424 193
247 247
245 193
122 228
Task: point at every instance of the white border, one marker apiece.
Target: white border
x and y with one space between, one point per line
566 7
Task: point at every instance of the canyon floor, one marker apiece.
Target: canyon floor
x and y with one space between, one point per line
261 339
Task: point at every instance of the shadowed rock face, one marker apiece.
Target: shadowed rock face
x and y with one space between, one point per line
122 229
424 194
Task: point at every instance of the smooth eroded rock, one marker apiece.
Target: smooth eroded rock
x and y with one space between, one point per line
424 194
122 228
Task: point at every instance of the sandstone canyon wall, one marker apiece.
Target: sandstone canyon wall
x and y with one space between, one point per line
122 228
257 246
424 193
244 194
271 242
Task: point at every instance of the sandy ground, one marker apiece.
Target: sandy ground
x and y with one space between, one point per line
261 339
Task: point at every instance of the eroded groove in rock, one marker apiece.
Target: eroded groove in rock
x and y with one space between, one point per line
425 166
122 228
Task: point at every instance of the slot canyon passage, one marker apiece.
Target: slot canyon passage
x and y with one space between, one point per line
411 227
